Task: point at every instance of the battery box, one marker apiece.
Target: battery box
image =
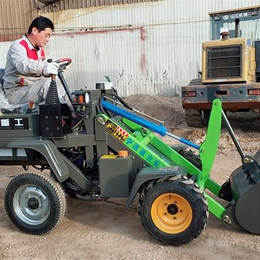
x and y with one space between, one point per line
114 174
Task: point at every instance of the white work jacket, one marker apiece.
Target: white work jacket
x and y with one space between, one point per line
24 64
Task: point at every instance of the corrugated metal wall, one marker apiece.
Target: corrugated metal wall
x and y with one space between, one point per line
75 4
150 48
15 18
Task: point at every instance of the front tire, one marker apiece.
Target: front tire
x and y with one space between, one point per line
192 158
174 210
35 203
197 118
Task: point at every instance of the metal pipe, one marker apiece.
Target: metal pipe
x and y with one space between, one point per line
64 83
237 28
183 140
233 136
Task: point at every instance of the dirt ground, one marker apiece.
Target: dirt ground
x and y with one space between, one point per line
103 230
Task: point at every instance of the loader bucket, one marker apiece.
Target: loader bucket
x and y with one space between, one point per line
246 193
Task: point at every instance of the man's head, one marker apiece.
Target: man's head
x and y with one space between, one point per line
40 31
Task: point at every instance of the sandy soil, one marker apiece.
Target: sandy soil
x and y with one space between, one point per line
103 230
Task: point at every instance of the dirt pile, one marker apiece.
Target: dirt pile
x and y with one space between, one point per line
165 109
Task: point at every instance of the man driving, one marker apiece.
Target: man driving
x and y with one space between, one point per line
27 73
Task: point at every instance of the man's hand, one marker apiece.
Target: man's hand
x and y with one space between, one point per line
51 69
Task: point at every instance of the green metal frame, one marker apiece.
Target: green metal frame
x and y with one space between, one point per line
151 149
207 152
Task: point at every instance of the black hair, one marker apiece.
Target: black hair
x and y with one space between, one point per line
41 23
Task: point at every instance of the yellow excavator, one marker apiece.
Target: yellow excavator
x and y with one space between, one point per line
230 66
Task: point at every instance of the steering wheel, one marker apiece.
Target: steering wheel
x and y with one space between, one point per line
64 62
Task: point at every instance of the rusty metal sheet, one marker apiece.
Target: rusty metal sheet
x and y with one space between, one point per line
16 16
60 5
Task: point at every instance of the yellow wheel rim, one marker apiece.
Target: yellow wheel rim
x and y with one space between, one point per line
171 213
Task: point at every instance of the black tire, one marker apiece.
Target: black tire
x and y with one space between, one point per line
173 211
35 203
197 118
69 186
192 158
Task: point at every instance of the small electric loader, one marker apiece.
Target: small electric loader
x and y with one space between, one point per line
102 149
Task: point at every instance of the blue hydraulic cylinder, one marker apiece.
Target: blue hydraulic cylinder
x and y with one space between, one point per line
183 140
160 129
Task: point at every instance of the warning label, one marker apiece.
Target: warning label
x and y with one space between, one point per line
119 133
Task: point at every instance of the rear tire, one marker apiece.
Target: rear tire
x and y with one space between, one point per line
197 118
35 203
173 211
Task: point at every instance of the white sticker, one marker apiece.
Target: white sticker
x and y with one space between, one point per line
5 122
18 121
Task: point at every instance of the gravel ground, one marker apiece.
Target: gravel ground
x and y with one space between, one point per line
103 230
